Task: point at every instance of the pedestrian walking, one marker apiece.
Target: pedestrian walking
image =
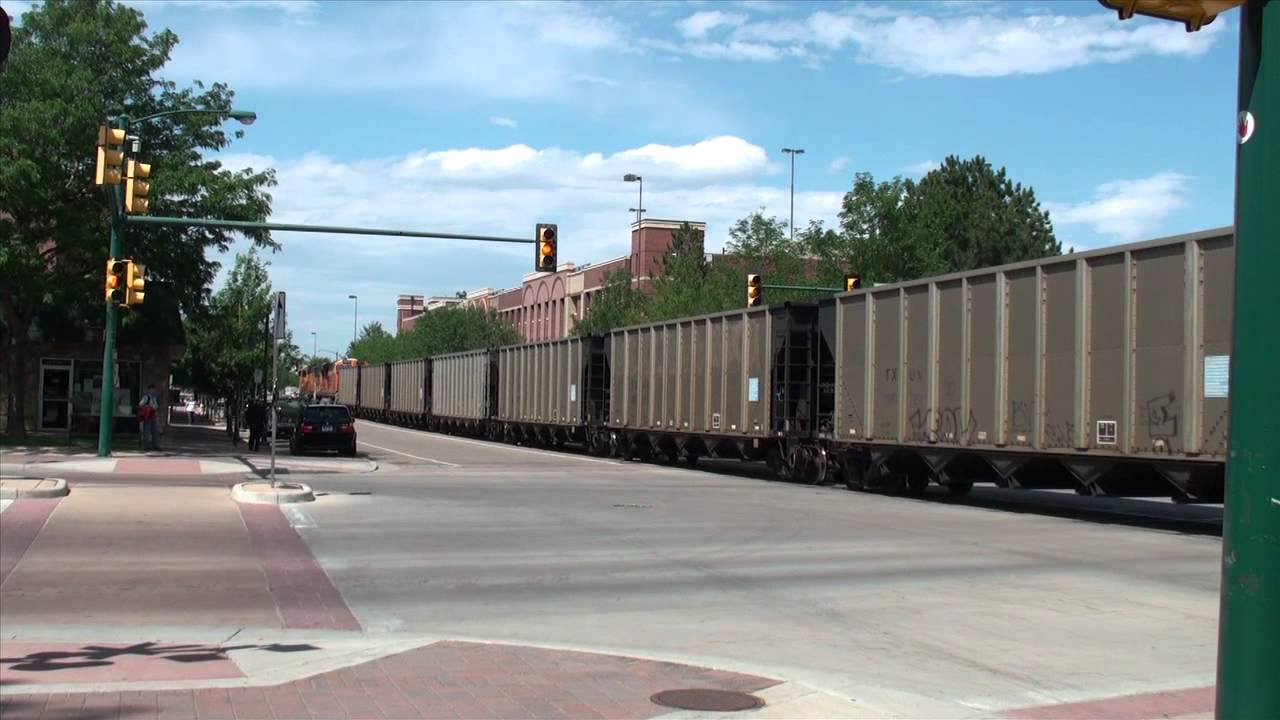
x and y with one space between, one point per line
148 419
255 416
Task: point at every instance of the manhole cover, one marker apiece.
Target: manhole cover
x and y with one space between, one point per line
707 699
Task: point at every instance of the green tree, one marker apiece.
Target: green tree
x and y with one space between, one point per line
455 329
73 63
966 214
230 338
871 241
373 345
683 285
618 304
963 215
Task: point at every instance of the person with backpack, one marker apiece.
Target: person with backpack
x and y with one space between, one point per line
148 412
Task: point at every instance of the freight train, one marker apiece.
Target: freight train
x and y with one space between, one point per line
1105 372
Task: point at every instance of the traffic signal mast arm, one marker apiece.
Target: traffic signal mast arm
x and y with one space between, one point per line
331 229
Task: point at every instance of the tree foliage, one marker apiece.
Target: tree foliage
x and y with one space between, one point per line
450 329
961 216
75 63
231 338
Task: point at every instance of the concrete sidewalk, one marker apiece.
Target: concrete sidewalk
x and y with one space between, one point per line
185 450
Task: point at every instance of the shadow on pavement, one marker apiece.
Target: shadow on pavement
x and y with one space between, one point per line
1149 513
98 656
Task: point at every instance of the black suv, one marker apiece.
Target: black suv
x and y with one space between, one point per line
324 427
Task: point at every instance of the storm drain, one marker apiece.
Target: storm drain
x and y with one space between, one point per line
707 699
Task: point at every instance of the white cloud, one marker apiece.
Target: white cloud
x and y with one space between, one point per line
289 7
959 39
1126 209
500 121
699 24
516 50
499 191
924 167
838 164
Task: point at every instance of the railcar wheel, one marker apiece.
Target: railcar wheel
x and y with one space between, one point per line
959 488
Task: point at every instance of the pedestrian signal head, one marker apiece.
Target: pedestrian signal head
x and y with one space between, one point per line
755 290
545 240
852 282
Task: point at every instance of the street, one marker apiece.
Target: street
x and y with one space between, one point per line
872 596
1007 604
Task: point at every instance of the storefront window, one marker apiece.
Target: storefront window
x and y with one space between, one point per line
87 389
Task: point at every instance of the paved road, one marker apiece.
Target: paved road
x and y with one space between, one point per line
941 608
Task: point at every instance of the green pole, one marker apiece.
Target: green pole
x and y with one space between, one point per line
106 408
1249 626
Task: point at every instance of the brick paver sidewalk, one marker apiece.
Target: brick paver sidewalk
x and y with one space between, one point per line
441 680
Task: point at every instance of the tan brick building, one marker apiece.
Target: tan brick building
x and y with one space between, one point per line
547 305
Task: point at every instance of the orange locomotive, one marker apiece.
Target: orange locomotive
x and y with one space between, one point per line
323 381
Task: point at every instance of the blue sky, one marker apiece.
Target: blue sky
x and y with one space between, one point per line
489 117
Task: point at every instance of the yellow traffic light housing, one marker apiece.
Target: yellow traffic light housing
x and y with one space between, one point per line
135 284
137 187
546 239
117 281
1194 14
852 282
110 156
755 290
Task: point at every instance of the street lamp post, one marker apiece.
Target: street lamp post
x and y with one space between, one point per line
106 407
355 318
793 152
313 359
639 208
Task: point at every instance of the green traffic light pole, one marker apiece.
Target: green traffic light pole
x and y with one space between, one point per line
106 406
1249 624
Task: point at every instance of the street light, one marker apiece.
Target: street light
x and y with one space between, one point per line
793 152
244 117
313 359
106 408
639 208
355 315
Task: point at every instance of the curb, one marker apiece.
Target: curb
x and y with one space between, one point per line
58 489
259 492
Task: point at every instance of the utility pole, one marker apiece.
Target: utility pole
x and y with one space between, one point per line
793 152
355 318
639 208
1249 624
107 403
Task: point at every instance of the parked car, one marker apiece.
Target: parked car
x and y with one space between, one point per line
324 427
288 413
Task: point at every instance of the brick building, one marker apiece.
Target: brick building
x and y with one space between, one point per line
546 306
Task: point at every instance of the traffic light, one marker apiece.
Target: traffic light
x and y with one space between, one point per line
755 291
117 281
852 282
110 156
544 259
135 284
137 186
